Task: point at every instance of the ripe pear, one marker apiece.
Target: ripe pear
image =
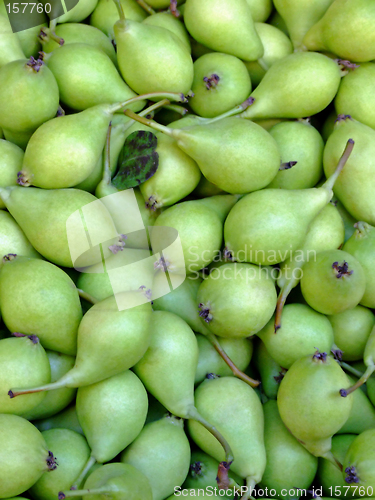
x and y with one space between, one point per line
54 401
362 245
276 46
76 14
11 157
22 83
260 9
13 239
300 16
333 282
300 142
162 452
244 430
72 452
10 45
168 21
21 443
236 301
206 188
39 298
310 83
362 415
152 59
309 402
221 81
302 331
66 419
355 186
270 372
23 362
209 361
354 96
284 452
357 43
47 230
351 330
211 23
358 465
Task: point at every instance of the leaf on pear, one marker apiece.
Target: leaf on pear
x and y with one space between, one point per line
139 160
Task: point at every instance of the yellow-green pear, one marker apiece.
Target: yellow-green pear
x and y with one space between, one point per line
11 157
13 239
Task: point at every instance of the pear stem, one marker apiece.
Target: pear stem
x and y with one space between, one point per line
328 185
120 10
171 96
235 370
283 295
90 462
46 34
232 112
250 485
146 7
350 369
369 371
79 493
177 109
107 156
150 123
329 456
87 296
62 382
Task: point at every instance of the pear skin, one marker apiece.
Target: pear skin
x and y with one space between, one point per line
358 466
13 239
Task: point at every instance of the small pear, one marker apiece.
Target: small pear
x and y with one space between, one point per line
302 331
310 83
362 415
300 16
10 45
351 330
362 245
356 44
39 298
21 443
359 463
212 23
298 142
72 452
11 157
333 282
162 452
32 80
13 239
309 402
270 372
168 21
284 453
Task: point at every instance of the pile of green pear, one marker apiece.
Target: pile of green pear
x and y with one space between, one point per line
253 374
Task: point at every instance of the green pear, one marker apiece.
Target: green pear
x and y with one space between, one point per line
302 331
348 220
354 96
351 330
362 415
209 361
176 177
310 82
211 23
270 372
362 245
357 43
284 453
105 15
29 38
276 46
328 476
358 465
244 430
39 298
114 481
298 142
236 301
21 445
260 10
328 125
86 77
168 21
13 239
112 413
276 20
152 59
72 452
54 401
78 13
34 81
23 362
300 16
206 188
355 186
333 282
162 452
310 405
221 81
66 419
11 157
10 45
79 33
47 231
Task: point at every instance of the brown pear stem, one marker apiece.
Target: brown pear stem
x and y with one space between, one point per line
369 371
328 185
350 369
174 10
87 296
283 295
90 462
146 7
236 371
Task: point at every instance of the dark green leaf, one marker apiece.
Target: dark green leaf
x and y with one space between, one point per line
139 160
